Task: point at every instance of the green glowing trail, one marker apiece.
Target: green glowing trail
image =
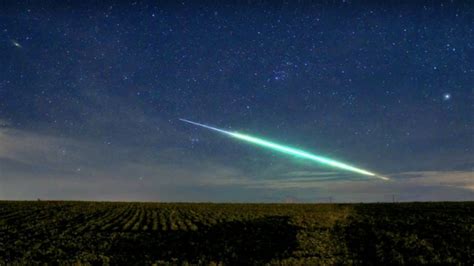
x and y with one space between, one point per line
290 151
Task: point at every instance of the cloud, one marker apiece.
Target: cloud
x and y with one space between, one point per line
459 179
309 174
4 123
36 165
406 186
414 186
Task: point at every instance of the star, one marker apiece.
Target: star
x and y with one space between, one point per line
16 44
446 96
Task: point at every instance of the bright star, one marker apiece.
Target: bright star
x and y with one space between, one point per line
446 96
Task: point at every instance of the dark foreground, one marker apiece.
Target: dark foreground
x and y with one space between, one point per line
236 234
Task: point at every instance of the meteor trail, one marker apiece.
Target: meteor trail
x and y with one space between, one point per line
289 150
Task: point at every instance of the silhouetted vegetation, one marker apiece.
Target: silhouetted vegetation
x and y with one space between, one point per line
236 234
413 234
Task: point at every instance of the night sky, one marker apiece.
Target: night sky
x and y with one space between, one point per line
91 94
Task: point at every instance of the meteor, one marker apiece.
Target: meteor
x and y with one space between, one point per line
290 151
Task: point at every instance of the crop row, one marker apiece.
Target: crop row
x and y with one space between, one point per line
301 234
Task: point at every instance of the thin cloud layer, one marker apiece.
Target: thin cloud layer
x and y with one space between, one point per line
33 166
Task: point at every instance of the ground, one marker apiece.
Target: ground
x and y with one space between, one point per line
113 233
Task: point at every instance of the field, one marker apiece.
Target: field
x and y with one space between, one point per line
235 234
